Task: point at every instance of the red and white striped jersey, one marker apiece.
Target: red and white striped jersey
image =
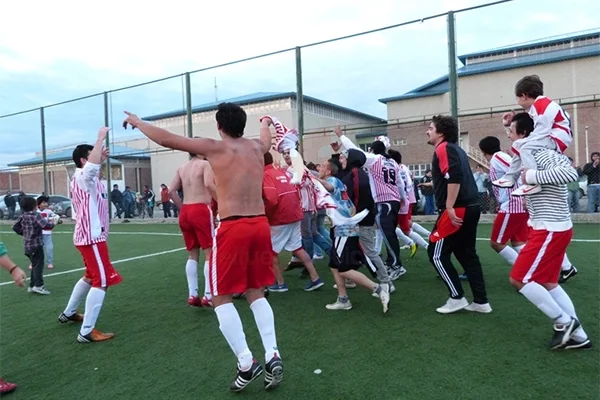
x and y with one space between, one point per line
306 190
499 165
551 120
90 204
409 186
383 174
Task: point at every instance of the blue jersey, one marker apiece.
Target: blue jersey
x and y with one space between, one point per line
344 207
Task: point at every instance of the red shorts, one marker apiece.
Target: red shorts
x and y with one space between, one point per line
404 220
510 227
196 224
242 256
541 258
98 267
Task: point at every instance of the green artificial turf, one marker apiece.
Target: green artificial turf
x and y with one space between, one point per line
165 349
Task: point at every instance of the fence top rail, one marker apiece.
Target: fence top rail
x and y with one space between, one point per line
414 21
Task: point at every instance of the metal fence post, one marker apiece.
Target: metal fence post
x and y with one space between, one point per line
188 105
299 99
44 167
452 75
108 168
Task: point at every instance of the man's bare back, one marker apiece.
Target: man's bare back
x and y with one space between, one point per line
196 178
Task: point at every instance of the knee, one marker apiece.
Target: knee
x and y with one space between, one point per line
515 283
406 231
497 246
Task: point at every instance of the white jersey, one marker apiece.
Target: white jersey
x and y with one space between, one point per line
551 120
90 202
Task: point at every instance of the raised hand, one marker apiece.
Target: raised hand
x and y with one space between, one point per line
105 154
102 133
335 146
132 120
507 118
338 131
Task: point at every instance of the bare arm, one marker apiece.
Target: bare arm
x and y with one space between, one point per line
173 188
326 184
209 181
265 135
170 140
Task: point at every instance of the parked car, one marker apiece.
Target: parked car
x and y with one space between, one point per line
61 205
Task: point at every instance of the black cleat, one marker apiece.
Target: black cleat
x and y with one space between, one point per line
274 373
562 333
244 378
578 344
565 275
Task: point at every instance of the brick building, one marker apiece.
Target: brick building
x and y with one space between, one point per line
569 67
129 167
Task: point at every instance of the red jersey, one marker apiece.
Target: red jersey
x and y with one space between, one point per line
90 203
282 203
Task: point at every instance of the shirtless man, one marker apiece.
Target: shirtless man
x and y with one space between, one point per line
242 254
197 180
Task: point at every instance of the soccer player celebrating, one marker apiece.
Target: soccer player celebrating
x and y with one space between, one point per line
90 202
196 220
537 268
242 253
455 231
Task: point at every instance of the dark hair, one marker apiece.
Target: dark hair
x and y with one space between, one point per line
231 119
489 145
523 123
335 161
428 170
530 86
311 166
447 126
28 204
396 156
595 153
43 199
81 151
333 167
378 147
268 157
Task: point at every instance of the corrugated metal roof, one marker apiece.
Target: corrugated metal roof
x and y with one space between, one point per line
256 98
441 85
116 152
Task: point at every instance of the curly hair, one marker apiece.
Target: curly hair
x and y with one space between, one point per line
447 126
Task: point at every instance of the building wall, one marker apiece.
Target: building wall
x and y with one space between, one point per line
9 181
562 80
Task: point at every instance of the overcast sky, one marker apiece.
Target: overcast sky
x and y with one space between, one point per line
55 51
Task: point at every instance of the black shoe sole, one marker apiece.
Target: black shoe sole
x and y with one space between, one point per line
277 378
239 389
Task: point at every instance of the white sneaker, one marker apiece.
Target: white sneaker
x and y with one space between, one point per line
504 183
338 305
480 308
40 290
384 295
316 257
526 190
453 305
392 289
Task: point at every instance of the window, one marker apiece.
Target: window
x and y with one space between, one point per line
365 147
418 170
399 142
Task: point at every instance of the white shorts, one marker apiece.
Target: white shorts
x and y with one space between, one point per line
286 237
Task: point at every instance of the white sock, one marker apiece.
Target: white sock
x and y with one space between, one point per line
509 254
418 239
564 301
419 229
93 305
191 271
207 293
265 321
541 298
80 290
566 264
518 248
233 331
403 237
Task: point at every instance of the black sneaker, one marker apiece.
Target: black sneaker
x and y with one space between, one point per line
578 344
244 378
562 333
565 275
274 373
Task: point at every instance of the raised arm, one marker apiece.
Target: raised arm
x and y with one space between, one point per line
91 169
173 188
348 144
265 134
163 137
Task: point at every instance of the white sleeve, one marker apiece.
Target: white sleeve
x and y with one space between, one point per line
89 175
348 144
401 184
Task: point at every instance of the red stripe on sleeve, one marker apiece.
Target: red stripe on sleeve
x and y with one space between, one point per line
442 154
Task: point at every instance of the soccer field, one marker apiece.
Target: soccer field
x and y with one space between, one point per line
165 349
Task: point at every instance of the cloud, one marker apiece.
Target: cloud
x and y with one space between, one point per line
113 44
